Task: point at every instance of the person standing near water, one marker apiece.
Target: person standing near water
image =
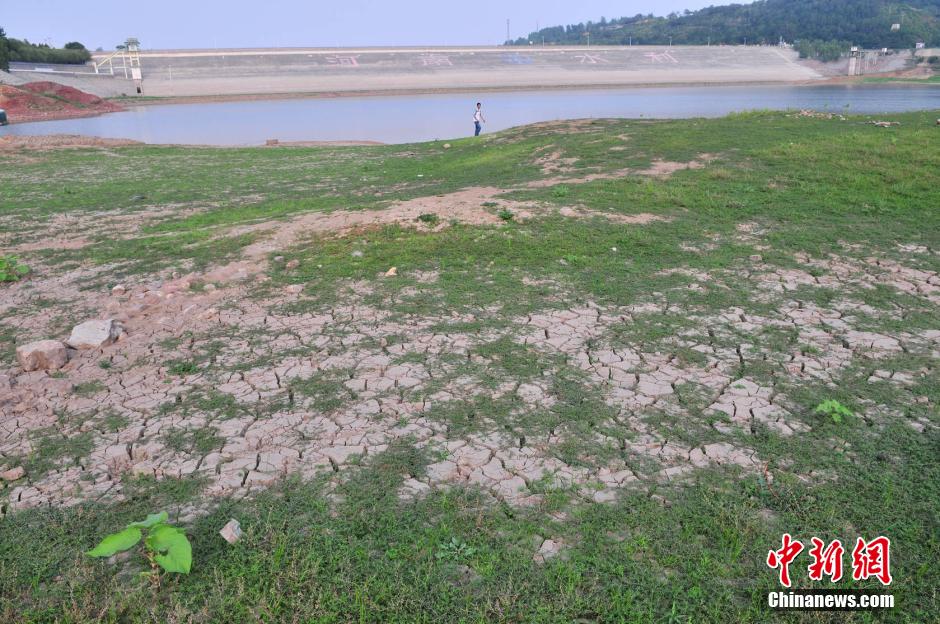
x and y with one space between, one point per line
478 119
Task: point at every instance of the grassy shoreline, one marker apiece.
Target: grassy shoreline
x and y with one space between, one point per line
762 260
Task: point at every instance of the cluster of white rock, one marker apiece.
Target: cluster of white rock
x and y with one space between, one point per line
54 354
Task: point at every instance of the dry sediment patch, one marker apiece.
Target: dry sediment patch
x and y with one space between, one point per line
84 228
257 448
657 169
471 206
368 392
555 162
642 218
14 142
464 206
159 385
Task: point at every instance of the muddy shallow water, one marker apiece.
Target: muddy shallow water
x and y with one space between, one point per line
407 118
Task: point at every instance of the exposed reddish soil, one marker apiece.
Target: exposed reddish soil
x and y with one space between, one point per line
42 101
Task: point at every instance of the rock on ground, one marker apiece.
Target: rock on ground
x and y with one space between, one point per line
13 474
95 334
548 550
232 531
42 355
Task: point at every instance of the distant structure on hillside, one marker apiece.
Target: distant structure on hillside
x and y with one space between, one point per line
855 65
133 55
129 55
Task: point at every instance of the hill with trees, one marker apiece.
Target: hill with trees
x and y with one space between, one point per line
826 24
4 52
22 50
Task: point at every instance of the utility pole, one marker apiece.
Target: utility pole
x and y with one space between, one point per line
508 38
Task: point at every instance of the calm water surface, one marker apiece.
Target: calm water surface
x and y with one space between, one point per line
402 119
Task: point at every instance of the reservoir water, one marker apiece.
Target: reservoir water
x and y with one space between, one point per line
407 118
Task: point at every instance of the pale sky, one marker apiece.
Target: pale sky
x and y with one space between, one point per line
289 23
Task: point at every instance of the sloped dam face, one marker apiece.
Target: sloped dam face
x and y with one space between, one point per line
227 72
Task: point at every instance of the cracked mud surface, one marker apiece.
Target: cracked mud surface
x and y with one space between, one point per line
231 377
238 390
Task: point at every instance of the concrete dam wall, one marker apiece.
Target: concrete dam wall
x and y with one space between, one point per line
326 71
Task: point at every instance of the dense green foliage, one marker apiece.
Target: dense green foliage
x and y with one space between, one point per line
16 50
11 269
166 546
822 50
862 22
4 52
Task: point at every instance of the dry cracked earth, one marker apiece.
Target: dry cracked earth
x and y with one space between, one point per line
238 386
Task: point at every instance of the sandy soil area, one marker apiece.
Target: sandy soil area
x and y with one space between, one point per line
57 141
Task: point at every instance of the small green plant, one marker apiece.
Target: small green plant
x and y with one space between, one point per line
834 410
505 215
455 550
560 191
88 388
113 422
165 546
182 367
11 270
429 218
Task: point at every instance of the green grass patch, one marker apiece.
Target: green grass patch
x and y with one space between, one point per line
346 546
